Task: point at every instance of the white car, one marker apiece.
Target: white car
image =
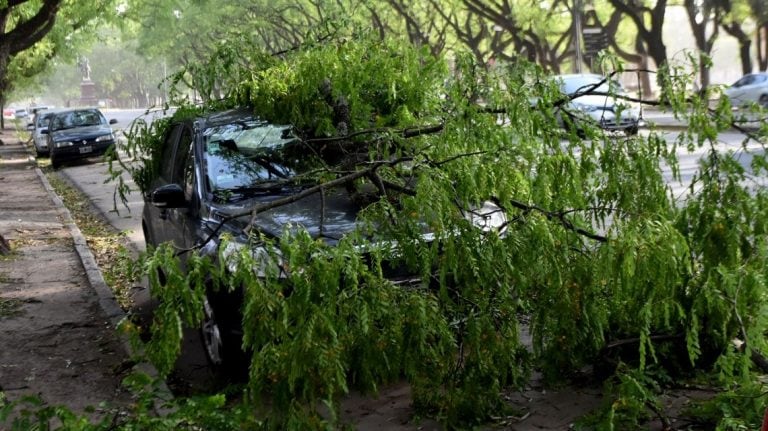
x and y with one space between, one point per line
597 105
39 128
750 88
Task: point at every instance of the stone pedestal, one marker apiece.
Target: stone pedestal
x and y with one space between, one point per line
87 93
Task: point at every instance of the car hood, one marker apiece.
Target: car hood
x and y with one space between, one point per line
328 217
595 100
81 133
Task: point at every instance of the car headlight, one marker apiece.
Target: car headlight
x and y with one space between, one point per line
584 108
62 144
105 138
487 217
263 262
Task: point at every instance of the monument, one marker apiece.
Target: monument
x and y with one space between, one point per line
87 87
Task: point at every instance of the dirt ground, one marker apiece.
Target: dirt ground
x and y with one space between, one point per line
58 343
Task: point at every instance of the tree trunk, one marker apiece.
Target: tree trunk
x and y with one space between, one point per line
762 50
5 247
745 45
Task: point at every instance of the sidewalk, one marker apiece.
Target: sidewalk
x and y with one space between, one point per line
56 328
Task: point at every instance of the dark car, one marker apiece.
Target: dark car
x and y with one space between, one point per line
220 166
223 164
78 133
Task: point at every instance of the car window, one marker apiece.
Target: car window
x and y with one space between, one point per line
249 153
183 153
169 145
759 79
745 80
582 83
79 118
42 120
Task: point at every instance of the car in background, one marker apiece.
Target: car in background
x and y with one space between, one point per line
20 113
750 88
38 127
15 113
594 100
77 134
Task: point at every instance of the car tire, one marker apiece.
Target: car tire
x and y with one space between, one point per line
763 100
221 334
55 162
632 130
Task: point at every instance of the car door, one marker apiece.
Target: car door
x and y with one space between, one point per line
182 223
156 219
739 90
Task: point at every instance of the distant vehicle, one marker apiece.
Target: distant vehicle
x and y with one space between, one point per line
36 109
38 125
20 113
8 113
750 88
597 105
77 134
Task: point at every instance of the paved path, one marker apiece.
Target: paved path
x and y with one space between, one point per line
57 341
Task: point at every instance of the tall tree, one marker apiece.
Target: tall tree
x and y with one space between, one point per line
760 12
34 31
649 21
704 17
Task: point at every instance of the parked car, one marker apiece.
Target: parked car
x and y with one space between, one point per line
78 133
597 104
39 128
226 163
20 113
751 88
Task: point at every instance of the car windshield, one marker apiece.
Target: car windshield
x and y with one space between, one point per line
582 83
79 118
253 156
42 119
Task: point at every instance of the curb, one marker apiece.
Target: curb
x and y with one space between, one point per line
107 300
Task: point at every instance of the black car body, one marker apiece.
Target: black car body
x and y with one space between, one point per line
215 169
221 165
78 133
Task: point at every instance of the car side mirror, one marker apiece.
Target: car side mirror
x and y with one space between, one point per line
113 121
168 196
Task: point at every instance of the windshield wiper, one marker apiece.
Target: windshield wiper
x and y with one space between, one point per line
257 189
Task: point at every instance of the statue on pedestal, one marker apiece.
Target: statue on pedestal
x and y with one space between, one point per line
85 68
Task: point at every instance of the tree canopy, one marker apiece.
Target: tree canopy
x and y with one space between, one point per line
597 258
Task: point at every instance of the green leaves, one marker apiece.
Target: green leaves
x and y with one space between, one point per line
598 258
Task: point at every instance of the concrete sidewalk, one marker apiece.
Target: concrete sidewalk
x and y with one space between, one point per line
57 316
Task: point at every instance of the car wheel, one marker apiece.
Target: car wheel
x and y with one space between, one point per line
221 334
764 100
631 130
55 162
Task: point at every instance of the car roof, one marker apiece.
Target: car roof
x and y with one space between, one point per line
228 116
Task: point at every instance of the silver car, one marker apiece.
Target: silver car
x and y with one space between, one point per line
597 105
38 127
750 88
